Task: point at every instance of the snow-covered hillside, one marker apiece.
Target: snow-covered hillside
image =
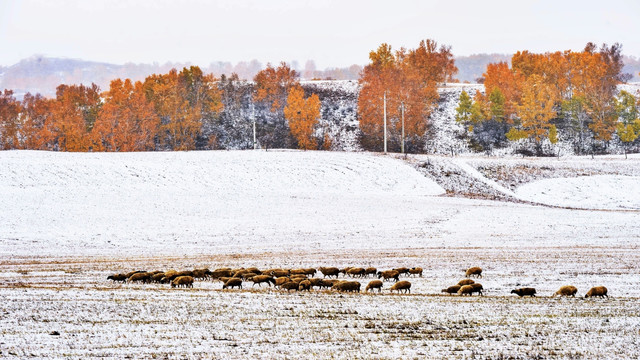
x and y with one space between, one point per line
251 201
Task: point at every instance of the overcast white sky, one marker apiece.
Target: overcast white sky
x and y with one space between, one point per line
333 33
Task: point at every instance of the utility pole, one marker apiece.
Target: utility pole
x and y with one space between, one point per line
385 122
253 116
402 144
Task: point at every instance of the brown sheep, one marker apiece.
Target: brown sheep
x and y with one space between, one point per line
290 286
401 286
370 271
141 277
524 292
315 282
130 274
298 272
310 271
477 287
281 280
157 278
465 282
280 273
117 277
356 272
402 270
233 282
186 281
304 285
567 290
329 271
259 279
416 271
452 289
218 273
327 284
389 274
474 271
347 286
201 274
470 289
599 291
374 284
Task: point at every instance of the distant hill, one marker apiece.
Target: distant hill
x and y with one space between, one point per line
41 74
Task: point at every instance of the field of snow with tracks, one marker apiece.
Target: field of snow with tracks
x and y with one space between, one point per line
67 221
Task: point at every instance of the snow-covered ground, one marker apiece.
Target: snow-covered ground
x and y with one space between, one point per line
69 220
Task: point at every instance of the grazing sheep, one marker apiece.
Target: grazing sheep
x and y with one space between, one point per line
290 286
298 272
474 271
402 270
280 273
281 280
524 292
328 284
329 271
117 277
304 285
567 290
356 272
465 290
416 271
315 282
233 282
374 284
141 277
470 289
370 271
465 282
477 287
401 286
186 281
259 279
130 274
599 291
255 270
201 274
389 274
452 289
218 273
347 286
157 278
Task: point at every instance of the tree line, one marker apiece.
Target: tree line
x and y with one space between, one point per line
534 101
541 97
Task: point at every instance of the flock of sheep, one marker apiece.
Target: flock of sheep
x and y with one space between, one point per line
304 279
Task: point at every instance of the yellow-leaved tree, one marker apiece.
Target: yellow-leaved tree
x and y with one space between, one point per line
302 115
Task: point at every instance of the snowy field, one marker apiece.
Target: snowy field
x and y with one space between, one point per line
67 221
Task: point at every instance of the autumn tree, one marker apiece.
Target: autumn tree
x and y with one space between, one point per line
74 114
183 101
535 112
272 87
38 122
127 121
302 115
408 79
10 110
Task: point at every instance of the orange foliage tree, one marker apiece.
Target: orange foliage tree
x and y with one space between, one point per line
10 110
183 101
37 122
73 115
409 78
127 120
302 115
